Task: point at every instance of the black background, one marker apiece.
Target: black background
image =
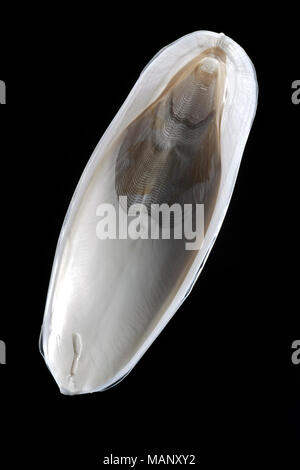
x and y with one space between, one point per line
219 381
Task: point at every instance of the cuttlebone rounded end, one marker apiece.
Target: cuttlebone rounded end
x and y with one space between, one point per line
77 365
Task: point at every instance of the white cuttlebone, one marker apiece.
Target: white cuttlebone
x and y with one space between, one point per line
96 327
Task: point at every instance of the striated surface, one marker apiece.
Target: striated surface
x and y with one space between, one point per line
171 152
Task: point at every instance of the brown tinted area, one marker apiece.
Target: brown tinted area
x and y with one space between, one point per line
171 152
